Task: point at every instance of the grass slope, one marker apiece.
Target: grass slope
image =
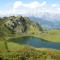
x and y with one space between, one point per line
28 28
24 52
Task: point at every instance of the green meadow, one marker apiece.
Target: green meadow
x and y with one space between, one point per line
13 51
24 52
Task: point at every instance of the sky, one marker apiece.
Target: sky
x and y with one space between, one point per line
39 8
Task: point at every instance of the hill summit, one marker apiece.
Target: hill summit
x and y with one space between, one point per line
18 25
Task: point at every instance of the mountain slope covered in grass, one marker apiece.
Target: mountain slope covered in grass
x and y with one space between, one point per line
18 25
21 52
14 27
22 26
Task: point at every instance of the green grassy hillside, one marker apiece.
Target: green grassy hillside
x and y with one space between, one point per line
18 25
14 27
22 26
24 52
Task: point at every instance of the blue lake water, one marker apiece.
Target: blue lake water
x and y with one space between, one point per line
36 42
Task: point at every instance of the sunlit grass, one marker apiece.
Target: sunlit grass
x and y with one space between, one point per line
19 52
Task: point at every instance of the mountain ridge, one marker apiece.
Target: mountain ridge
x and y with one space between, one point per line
46 23
19 25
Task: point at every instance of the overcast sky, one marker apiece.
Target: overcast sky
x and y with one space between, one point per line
45 8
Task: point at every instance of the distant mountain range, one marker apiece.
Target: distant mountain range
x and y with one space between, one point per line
49 24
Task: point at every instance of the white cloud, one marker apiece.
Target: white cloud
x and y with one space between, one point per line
32 5
44 3
34 8
54 5
2 13
17 4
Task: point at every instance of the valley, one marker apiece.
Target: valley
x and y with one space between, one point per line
13 33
